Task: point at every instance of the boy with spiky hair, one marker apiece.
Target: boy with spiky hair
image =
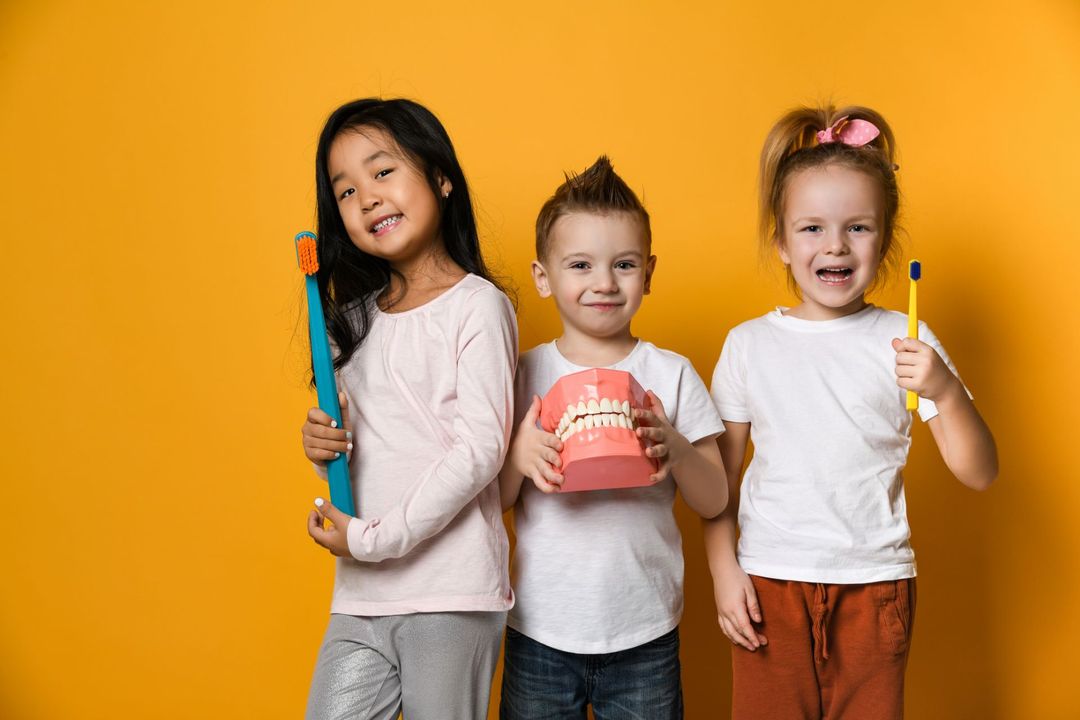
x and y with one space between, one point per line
598 575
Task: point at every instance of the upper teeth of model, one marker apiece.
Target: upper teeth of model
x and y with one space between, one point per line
385 223
592 414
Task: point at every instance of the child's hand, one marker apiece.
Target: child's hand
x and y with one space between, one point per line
334 537
323 439
736 606
535 454
669 445
919 368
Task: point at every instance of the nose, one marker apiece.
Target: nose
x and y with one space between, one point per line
369 199
604 281
835 243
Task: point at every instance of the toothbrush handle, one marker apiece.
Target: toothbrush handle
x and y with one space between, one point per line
913 332
337 469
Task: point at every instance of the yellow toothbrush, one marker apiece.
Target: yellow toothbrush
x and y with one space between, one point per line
914 272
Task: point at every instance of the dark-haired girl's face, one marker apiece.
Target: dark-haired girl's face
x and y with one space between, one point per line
385 202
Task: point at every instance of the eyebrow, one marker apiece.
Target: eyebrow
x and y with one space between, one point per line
586 256
367 161
816 219
375 156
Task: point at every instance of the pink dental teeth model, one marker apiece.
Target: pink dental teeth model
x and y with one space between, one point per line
592 413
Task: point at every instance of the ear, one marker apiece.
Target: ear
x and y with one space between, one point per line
445 186
781 250
540 279
650 266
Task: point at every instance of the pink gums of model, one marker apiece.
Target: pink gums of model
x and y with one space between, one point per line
592 413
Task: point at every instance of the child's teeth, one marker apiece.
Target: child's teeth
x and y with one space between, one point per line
385 223
593 407
605 405
581 409
626 408
589 422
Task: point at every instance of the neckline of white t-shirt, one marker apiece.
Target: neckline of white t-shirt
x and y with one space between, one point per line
420 308
613 366
788 322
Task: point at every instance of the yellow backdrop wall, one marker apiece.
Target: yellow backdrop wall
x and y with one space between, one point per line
157 158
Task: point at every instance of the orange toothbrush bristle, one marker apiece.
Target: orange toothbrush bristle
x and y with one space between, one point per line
307 255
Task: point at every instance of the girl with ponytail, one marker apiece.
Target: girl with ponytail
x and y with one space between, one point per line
818 596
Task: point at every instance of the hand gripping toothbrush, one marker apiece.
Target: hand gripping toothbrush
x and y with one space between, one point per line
338 468
914 272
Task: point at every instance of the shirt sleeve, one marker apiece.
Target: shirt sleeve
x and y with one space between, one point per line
695 417
729 382
927 408
487 353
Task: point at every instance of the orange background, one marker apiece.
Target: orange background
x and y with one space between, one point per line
157 159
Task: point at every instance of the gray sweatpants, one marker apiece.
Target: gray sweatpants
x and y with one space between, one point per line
429 666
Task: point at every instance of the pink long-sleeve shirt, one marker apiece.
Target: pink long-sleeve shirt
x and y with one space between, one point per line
431 404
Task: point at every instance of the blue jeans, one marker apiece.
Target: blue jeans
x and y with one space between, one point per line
542 683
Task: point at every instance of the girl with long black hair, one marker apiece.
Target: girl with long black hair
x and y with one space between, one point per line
425 347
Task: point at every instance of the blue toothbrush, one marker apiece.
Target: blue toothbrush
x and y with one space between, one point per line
338 468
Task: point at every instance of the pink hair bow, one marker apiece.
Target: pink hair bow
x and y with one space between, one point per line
850 132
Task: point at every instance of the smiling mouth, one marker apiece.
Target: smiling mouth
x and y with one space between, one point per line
834 275
385 224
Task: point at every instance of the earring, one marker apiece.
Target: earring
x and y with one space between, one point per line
446 194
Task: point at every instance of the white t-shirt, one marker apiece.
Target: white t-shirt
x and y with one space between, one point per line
602 571
823 497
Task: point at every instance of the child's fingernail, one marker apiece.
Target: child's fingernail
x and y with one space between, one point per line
349 448
318 502
333 423
337 455
348 435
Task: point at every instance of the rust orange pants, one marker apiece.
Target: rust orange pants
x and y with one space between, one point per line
835 652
